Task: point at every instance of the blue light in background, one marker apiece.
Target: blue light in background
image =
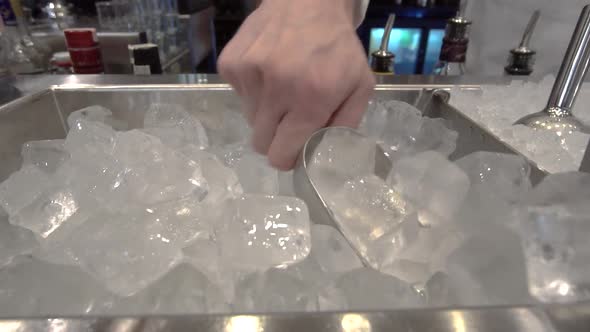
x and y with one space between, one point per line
404 43
435 37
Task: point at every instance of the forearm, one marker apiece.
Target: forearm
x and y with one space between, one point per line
354 9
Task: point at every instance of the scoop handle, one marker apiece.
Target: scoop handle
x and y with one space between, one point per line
573 68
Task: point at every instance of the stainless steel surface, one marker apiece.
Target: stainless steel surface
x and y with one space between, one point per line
557 114
387 33
307 189
382 59
41 116
528 31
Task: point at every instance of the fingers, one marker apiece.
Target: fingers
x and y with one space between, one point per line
291 134
352 110
268 117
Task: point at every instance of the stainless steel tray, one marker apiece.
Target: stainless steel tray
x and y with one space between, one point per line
42 116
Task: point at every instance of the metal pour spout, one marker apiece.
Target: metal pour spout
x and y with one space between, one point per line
557 114
382 59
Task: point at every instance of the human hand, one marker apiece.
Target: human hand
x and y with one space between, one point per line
298 66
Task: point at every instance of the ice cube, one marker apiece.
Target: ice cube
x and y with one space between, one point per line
182 220
88 141
254 172
490 269
33 288
49 211
342 155
154 173
412 272
223 181
14 241
22 188
434 185
374 218
554 230
124 252
183 290
366 289
504 175
47 155
332 251
402 131
260 231
498 181
175 126
96 113
274 290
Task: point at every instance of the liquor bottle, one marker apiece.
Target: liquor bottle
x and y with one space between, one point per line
451 60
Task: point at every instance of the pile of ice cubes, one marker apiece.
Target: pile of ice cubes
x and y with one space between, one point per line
180 217
497 107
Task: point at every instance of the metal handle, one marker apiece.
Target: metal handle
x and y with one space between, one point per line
387 33
528 32
573 68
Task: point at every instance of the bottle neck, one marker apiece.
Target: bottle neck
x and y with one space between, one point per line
454 50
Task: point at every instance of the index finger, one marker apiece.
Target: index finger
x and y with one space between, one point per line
291 134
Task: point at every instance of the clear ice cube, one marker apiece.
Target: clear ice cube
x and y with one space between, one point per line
175 126
182 220
402 131
553 232
88 141
33 288
183 290
433 184
489 269
223 181
366 289
273 290
376 220
254 172
341 156
96 113
22 188
260 231
498 182
49 211
14 241
124 252
153 172
47 155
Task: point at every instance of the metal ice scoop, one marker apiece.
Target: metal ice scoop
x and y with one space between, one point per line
306 189
557 115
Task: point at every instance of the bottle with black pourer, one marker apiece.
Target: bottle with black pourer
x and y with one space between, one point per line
145 59
453 52
522 58
382 60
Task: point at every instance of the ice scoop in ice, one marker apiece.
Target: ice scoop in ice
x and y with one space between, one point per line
306 188
557 115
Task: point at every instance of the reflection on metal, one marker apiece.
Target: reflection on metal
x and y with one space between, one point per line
458 321
355 323
244 324
307 189
557 116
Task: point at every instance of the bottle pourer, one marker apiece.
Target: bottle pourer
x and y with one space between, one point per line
557 115
382 59
522 58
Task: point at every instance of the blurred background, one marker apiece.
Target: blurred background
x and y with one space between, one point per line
190 34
